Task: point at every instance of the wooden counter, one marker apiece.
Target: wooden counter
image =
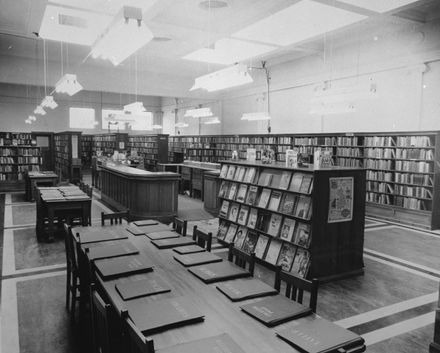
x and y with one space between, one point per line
146 194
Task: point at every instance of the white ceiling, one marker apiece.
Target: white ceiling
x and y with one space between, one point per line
189 28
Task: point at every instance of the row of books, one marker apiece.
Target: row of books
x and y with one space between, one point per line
238 173
28 168
7 160
348 152
416 141
286 180
379 141
382 199
348 162
345 141
379 152
379 187
416 191
411 203
29 159
415 153
274 200
143 144
305 141
411 166
378 164
5 168
290 257
273 224
417 179
378 175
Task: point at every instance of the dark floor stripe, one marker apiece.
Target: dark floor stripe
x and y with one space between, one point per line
33 273
413 267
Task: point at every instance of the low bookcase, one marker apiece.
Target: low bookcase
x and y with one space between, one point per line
308 220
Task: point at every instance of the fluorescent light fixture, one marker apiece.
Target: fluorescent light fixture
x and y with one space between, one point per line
39 110
303 20
48 102
123 37
157 126
135 108
68 84
32 118
232 76
332 95
198 112
256 116
107 6
181 124
64 24
379 5
212 121
27 121
228 51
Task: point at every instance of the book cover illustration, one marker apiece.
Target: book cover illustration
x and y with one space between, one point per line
288 203
274 201
263 221
243 215
273 251
240 237
230 235
303 207
222 229
241 194
302 235
253 216
306 184
274 224
231 172
301 263
232 191
287 255
224 187
295 183
265 178
264 198
224 171
224 209
249 175
250 242
233 212
252 195
287 229
285 179
260 247
240 173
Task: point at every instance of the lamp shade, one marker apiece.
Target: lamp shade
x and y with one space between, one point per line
68 84
233 76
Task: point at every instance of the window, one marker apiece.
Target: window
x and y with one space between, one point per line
82 118
118 120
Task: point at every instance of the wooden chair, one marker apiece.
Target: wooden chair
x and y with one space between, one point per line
180 226
295 287
115 217
203 239
134 339
72 275
241 258
100 323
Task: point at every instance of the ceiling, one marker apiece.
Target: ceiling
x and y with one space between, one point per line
181 27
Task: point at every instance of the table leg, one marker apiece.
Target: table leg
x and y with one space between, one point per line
51 230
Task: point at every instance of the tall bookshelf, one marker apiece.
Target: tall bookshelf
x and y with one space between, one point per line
109 143
153 148
68 155
18 155
86 150
295 217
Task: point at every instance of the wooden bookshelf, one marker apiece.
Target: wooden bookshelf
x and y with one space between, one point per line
68 155
86 150
18 155
291 209
109 143
153 149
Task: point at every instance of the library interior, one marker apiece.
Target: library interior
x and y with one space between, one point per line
207 176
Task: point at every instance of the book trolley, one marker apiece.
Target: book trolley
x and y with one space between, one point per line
310 221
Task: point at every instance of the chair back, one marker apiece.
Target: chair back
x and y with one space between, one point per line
241 258
71 260
296 286
115 217
203 239
180 226
100 323
134 339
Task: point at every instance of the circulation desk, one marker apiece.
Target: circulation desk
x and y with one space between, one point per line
146 194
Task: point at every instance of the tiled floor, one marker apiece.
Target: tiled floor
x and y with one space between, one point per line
392 306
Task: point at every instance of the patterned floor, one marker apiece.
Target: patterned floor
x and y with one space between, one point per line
392 306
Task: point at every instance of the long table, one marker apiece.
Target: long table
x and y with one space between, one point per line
221 315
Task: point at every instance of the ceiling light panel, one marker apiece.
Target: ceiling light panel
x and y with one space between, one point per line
106 6
72 26
379 5
303 20
228 51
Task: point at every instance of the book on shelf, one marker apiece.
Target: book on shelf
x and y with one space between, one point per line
224 209
286 257
249 175
252 195
261 246
253 217
224 187
314 334
222 229
273 251
240 173
230 235
274 224
274 201
251 154
233 212
295 183
250 242
285 179
301 263
240 237
243 215
152 284
241 194
264 198
231 172
291 158
288 203
224 171
232 191
245 288
265 178
302 235
306 184
287 229
263 221
302 208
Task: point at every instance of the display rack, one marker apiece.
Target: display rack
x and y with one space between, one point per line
18 155
68 155
295 217
153 148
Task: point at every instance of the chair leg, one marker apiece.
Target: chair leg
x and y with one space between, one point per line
68 286
74 298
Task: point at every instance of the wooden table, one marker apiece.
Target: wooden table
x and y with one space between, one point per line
61 202
221 315
34 179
